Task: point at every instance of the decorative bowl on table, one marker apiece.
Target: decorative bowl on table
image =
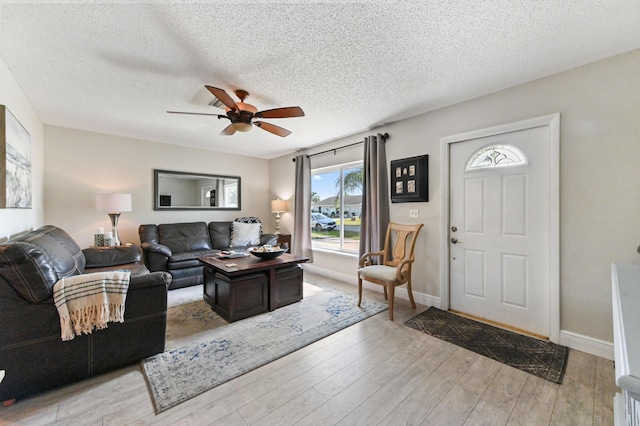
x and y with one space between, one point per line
266 252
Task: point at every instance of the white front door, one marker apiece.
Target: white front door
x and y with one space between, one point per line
499 235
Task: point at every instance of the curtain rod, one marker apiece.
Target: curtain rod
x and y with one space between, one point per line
385 136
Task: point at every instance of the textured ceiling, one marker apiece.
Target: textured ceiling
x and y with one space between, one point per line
117 67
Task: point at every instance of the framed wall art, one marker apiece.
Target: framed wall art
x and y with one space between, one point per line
410 179
15 162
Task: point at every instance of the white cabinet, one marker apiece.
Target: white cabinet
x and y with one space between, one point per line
626 341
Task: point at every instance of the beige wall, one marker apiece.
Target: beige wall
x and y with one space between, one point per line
599 148
281 183
599 179
16 221
79 164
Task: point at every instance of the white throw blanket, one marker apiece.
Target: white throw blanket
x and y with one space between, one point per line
86 302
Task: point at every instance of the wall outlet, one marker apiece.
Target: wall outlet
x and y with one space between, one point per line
413 213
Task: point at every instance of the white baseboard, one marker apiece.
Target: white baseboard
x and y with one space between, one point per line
587 344
569 339
335 275
401 292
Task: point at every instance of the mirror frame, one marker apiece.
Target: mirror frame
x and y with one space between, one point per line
156 190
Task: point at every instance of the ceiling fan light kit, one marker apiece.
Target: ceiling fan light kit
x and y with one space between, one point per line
241 127
242 115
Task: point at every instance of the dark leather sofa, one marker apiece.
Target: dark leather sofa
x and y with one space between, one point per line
32 352
175 247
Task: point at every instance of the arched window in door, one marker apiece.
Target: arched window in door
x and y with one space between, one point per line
494 156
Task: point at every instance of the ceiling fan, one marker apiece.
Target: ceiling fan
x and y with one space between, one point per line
243 116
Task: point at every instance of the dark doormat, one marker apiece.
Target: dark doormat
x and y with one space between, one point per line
538 357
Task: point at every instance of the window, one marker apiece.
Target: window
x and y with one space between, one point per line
231 193
336 205
493 156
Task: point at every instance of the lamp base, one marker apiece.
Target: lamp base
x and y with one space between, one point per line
277 223
114 223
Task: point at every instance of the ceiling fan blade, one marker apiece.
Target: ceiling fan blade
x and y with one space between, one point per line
229 130
286 112
276 130
196 113
223 96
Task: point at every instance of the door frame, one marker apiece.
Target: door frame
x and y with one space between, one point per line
553 122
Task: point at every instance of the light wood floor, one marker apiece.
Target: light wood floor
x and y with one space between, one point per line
376 372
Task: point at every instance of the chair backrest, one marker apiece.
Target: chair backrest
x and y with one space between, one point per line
33 262
403 238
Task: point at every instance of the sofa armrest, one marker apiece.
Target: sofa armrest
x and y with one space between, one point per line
157 248
102 257
152 279
269 239
156 256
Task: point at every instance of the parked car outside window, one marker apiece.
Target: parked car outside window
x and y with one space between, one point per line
320 222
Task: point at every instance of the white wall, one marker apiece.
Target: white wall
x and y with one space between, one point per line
16 221
81 164
599 179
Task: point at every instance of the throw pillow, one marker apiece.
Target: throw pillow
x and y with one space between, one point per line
249 219
245 234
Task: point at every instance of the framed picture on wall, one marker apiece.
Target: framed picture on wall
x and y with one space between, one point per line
410 179
15 162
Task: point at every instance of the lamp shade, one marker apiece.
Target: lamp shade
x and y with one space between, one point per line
113 203
278 206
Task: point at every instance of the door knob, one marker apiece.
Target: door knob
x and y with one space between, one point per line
455 241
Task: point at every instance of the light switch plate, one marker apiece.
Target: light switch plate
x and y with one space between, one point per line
413 213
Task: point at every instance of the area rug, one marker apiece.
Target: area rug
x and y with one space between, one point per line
538 357
231 350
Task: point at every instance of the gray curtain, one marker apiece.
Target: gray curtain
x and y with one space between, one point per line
302 209
375 195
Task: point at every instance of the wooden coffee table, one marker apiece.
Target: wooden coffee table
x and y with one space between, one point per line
241 287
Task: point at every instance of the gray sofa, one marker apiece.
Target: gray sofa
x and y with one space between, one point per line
32 352
175 247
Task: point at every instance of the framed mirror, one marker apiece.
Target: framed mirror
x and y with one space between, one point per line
195 191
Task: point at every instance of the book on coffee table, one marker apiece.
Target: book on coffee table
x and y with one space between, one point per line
232 254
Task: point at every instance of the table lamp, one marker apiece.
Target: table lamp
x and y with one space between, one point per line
278 206
114 204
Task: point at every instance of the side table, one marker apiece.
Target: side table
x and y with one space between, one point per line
285 239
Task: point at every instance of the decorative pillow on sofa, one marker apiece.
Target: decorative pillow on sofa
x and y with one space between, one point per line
245 234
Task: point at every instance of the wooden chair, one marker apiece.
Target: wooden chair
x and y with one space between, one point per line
394 266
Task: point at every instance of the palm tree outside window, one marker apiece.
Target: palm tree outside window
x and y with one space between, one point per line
336 206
